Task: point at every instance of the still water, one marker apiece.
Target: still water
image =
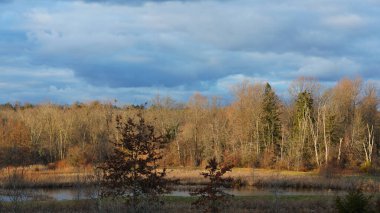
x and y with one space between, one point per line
91 193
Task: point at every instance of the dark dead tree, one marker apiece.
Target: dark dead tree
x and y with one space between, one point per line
212 198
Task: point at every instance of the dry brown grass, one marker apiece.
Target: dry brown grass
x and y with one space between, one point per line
41 177
264 178
191 176
46 178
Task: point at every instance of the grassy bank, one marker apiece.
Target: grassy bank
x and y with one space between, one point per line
260 178
47 178
264 178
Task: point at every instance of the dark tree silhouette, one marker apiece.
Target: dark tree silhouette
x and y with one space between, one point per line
212 198
270 119
301 127
355 201
132 171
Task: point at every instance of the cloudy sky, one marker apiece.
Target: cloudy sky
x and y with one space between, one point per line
64 51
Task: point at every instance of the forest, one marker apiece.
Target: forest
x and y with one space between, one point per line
311 128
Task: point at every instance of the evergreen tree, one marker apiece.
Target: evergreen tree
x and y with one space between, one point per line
355 201
211 197
301 127
132 171
271 121
304 105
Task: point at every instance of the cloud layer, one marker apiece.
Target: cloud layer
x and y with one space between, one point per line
130 50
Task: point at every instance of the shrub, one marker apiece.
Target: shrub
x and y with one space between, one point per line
81 156
330 170
365 167
212 198
354 202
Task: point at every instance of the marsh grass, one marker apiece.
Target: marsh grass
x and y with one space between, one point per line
263 178
317 182
259 178
59 178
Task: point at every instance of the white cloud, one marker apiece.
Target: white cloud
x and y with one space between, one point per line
345 21
327 68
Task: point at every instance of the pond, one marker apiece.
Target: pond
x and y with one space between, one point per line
91 193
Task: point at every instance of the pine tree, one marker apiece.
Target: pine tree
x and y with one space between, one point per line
304 105
132 171
271 121
211 197
301 127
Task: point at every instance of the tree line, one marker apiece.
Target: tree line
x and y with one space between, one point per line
314 127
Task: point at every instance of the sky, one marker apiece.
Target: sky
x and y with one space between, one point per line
63 51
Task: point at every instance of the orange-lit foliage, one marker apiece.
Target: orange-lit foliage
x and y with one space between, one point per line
15 147
340 127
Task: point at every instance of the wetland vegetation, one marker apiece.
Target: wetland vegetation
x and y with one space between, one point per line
296 155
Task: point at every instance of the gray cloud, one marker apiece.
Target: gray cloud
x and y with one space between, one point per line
193 45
